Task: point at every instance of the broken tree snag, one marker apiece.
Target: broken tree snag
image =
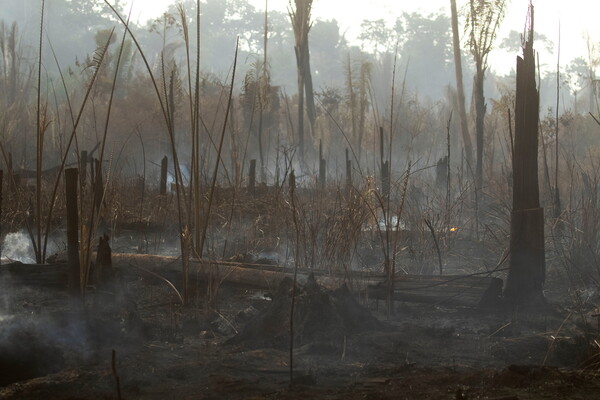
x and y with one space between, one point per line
527 254
164 164
71 177
252 177
441 173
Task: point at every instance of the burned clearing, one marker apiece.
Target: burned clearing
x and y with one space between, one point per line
176 231
235 343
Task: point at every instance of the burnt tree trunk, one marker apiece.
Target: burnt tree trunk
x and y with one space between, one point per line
300 18
441 173
71 177
464 125
308 88
322 167
527 254
164 165
98 185
348 170
300 107
259 138
252 177
480 109
1 176
10 175
83 162
385 167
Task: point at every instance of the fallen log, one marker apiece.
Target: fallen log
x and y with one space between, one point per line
452 290
245 276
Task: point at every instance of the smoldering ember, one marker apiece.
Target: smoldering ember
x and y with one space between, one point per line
244 200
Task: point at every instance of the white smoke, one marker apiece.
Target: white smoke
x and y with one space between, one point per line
17 247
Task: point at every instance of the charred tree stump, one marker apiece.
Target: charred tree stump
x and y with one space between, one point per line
441 173
527 254
104 260
527 261
71 177
252 177
164 165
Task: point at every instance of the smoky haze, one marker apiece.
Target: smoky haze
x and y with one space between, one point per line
223 203
416 49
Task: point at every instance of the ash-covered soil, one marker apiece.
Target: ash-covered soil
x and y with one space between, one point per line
237 346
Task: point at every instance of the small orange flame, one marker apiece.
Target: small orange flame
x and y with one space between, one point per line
453 229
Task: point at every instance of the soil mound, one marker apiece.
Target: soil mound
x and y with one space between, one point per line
322 318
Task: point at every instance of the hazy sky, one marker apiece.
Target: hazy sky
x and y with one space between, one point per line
577 18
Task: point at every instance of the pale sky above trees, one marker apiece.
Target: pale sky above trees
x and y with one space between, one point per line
577 18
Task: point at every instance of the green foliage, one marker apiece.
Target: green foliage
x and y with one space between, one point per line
483 19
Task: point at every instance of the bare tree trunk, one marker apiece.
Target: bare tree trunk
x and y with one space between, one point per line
75 284
252 177
308 88
83 167
459 85
322 166
592 78
348 171
300 17
350 84
300 107
98 185
557 206
11 175
1 176
480 109
263 174
363 93
164 165
264 89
